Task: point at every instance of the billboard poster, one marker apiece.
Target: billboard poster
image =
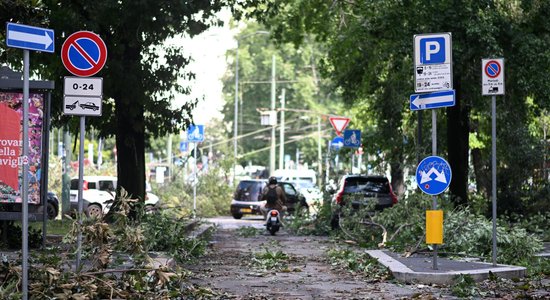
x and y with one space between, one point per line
11 146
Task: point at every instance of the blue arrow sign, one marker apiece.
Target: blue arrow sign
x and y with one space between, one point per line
432 100
352 138
337 143
29 37
433 175
195 133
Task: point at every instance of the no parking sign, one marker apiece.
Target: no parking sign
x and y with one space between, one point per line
84 53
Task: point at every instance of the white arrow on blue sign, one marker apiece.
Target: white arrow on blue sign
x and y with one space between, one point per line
432 100
337 143
433 175
29 37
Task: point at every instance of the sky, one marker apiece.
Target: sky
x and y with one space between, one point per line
209 64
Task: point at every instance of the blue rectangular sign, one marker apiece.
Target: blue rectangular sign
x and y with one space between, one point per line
30 37
195 133
432 100
352 138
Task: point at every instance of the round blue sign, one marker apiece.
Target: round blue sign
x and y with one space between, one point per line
433 175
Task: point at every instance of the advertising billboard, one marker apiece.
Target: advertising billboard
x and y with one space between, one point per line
11 146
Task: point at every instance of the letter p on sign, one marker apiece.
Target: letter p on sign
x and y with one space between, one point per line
432 50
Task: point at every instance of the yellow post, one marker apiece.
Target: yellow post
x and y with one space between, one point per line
434 227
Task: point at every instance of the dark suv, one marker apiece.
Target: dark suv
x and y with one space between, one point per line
247 198
362 190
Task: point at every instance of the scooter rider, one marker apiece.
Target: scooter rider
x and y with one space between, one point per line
275 197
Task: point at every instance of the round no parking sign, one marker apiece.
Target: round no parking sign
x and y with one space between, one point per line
84 53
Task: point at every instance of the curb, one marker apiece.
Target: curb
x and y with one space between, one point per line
443 277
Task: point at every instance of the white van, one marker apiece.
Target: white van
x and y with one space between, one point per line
306 175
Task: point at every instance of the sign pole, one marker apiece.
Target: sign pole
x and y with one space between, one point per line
195 179
434 153
494 173
25 176
80 187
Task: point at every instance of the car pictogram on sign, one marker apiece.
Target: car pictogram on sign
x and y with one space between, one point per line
89 105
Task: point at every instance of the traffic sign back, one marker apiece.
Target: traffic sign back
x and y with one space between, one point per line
84 53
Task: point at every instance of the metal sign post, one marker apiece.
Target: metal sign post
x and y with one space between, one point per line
434 198
25 177
27 38
195 181
80 184
83 54
195 134
492 84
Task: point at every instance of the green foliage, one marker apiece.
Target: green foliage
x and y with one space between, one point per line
465 232
317 224
14 237
271 260
464 286
105 247
167 234
213 194
358 263
536 224
248 231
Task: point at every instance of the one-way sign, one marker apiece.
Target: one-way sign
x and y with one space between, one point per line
432 100
29 37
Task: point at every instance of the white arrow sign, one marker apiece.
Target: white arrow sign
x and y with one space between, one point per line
432 100
29 37
440 176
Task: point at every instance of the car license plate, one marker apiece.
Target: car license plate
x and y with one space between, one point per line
246 210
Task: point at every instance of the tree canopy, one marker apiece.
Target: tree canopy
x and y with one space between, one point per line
369 57
140 78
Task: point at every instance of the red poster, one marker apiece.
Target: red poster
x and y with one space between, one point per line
11 146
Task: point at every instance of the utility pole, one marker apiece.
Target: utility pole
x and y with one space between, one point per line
282 132
319 154
272 152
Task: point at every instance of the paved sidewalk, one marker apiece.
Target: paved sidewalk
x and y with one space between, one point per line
419 268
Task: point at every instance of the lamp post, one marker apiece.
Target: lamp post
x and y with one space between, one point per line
235 127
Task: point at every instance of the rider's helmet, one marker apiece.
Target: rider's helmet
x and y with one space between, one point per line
272 180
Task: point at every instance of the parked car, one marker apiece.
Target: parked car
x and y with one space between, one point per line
53 206
99 191
247 198
362 190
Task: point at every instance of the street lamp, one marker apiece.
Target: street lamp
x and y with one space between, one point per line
237 98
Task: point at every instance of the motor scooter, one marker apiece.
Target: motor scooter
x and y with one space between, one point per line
273 221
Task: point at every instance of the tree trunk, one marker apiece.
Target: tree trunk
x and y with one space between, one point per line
130 123
458 129
397 178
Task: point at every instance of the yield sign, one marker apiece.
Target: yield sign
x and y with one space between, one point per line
339 123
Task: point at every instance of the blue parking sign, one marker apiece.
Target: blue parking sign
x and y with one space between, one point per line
432 50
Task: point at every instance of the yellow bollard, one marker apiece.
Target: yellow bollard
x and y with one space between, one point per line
434 227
